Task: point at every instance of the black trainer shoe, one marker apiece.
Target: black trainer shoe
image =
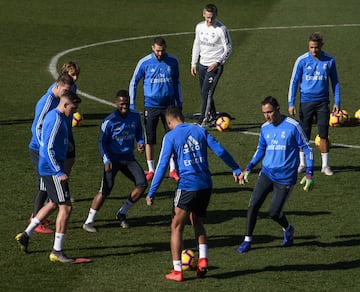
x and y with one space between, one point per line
23 241
123 222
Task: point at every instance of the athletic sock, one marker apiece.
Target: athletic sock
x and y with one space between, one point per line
125 208
58 241
31 227
203 251
177 266
151 165
324 159
248 238
91 216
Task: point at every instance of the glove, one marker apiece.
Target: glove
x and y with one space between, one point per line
308 183
245 178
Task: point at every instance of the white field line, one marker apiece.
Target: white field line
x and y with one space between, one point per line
55 59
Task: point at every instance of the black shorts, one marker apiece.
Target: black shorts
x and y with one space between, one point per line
58 192
193 201
151 119
322 111
131 169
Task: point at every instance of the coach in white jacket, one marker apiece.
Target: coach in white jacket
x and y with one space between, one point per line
212 47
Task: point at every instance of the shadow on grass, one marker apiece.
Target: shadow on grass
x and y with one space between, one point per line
344 265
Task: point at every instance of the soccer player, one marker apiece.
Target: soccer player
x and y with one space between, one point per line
52 156
116 142
278 148
46 103
188 144
162 88
211 48
73 70
313 71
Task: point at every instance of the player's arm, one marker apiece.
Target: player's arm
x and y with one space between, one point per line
195 52
223 154
335 87
51 129
227 45
103 142
257 157
139 135
177 86
293 87
137 76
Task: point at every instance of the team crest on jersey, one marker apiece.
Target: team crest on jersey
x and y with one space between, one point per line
325 66
169 68
283 135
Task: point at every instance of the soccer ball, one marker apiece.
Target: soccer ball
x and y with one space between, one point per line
336 120
357 116
188 260
346 116
77 119
223 124
317 141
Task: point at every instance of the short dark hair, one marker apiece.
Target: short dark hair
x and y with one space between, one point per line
316 37
160 41
211 8
71 96
122 93
65 79
175 112
271 100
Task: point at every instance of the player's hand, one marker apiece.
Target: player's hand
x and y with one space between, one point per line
63 178
243 178
308 183
292 111
212 67
193 70
70 147
108 167
336 109
149 201
141 148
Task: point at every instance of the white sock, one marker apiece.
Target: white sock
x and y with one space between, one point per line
58 242
203 251
177 266
248 238
302 158
91 216
151 165
33 224
125 208
324 159
172 163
